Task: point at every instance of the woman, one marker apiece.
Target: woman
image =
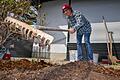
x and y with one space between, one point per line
79 24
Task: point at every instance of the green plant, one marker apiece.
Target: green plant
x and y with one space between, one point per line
13 6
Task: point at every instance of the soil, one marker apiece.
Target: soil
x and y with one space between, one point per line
31 70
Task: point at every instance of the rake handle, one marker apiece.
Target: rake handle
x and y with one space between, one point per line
53 29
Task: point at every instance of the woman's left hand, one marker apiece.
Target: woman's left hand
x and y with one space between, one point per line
71 30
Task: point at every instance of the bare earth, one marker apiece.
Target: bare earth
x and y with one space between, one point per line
32 70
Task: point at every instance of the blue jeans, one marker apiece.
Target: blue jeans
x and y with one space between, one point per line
89 54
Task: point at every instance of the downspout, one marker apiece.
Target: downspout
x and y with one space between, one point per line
68 39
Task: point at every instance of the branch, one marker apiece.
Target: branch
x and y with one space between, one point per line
6 39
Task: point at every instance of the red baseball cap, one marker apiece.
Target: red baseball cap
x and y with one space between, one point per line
66 6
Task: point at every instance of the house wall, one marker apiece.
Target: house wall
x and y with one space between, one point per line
93 10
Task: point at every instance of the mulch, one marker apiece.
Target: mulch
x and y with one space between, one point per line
79 70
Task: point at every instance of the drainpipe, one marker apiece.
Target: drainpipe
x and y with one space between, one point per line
68 39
